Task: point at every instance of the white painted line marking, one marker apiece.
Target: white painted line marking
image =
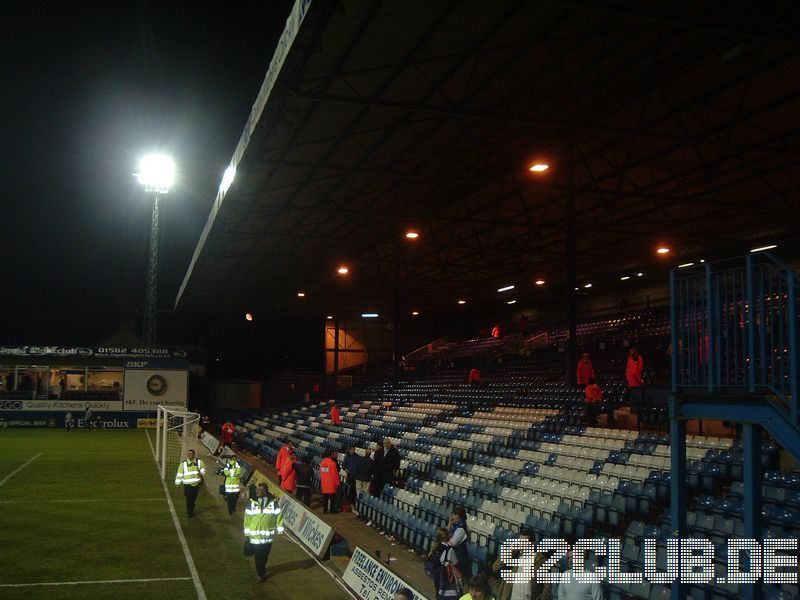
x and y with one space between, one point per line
201 594
17 585
7 477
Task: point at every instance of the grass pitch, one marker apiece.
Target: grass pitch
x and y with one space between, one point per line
80 510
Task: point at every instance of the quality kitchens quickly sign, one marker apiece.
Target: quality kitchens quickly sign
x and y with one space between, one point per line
315 533
371 580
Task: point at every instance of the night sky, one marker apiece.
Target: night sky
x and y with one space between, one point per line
85 93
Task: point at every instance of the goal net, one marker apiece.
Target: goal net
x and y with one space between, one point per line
176 434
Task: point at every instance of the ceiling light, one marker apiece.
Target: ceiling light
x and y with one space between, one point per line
508 288
539 167
301 294
329 317
462 301
625 278
412 235
702 260
663 250
511 302
639 274
414 313
248 317
539 282
588 285
369 315
684 265
762 248
343 270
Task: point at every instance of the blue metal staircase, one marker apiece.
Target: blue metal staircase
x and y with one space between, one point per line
734 358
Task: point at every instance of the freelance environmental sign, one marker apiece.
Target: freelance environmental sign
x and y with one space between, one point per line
372 580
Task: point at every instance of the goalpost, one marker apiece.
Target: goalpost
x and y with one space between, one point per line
176 433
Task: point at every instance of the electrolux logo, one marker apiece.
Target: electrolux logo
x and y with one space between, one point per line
112 424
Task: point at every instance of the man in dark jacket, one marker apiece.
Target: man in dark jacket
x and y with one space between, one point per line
303 481
350 464
364 472
385 466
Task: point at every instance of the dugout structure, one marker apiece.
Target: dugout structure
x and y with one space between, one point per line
177 431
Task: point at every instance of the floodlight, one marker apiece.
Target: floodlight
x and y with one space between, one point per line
156 173
227 179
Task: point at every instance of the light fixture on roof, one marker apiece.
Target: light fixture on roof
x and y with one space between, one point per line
663 250
301 294
329 317
412 235
248 317
227 179
588 285
684 265
507 288
511 302
702 260
539 282
762 248
414 313
625 278
462 301
343 270
369 315
639 274
539 167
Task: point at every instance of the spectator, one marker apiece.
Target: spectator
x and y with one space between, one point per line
460 538
228 429
634 374
287 447
532 590
329 481
403 594
351 463
288 474
336 416
594 395
450 578
364 472
571 589
585 371
303 478
474 377
497 332
478 588
387 460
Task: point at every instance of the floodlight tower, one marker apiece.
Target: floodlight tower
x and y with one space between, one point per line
156 174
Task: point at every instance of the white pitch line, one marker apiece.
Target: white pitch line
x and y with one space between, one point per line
83 500
201 594
7 477
17 585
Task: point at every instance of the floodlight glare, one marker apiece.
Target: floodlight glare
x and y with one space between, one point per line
507 288
227 179
248 317
156 173
415 313
762 248
539 167
369 315
511 302
539 282
625 278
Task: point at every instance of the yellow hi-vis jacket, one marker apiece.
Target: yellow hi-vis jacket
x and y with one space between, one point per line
260 525
190 472
233 474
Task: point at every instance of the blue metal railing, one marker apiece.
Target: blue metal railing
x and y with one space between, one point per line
734 326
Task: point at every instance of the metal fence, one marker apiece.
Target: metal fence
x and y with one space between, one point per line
734 326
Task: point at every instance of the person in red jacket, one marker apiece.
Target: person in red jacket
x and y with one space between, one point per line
329 481
634 374
336 416
228 429
585 372
288 473
593 397
288 447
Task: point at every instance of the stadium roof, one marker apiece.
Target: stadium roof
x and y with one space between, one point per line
672 123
